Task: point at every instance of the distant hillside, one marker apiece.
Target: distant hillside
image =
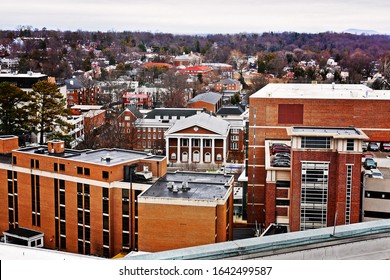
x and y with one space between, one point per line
361 31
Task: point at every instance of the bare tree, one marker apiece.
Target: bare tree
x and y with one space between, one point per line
176 86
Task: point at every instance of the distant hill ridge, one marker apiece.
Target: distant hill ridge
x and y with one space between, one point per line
361 31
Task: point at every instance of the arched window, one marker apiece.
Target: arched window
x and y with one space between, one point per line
184 157
195 156
173 156
219 157
207 157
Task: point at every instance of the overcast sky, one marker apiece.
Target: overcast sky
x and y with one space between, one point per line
198 16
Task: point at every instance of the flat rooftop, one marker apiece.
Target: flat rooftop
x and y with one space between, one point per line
22 75
321 91
115 156
201 186
23 232
335 132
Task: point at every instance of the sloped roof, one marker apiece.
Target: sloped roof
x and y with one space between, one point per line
230 110
178 112
203 120
228 81
134 111
208 97
73 83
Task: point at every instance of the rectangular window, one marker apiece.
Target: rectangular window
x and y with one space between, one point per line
62 167
290 114
125 223
105 174
207 143
105 206
308 142
106 222
234 146
14 160
79 170
106 238
314 195
55 167
195 142
125 240
63 242
184 142
350 144
87 171
348 193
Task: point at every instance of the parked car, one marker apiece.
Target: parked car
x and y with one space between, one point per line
367 156
280 149
281 164
281 160
282 155
369 163
373 147
375 173
385 147
279 145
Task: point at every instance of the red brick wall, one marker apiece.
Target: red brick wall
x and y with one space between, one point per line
316 112
8 144
336 185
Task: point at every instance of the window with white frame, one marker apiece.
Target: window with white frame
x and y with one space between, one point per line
310 142
219 157
195 142
350 144
127 118
234 146
184 142
207 143
235 131
234 137
173 156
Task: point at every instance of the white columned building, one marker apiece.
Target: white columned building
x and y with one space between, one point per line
199 139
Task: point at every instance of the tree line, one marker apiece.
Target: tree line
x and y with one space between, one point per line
58 53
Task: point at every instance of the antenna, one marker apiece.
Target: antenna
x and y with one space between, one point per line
257 230
334 224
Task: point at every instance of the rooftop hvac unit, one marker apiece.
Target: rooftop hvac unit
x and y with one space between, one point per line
170 185
185 187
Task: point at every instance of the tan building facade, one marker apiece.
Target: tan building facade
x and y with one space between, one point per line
186 209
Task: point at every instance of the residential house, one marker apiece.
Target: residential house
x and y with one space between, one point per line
211 101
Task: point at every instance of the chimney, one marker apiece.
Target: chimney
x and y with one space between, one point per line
56 146
8 143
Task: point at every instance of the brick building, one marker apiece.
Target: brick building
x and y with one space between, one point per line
277 107
321 185
186 209
211 101
82 201
201 138
151 129
78 93
228 86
